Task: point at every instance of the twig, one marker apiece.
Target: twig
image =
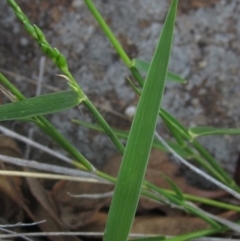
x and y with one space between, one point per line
225 222
51 168
38 92
100 234
40 76
51 176
198 171
10 73
15 234
24 139
86 234
21 224
28 147
92 196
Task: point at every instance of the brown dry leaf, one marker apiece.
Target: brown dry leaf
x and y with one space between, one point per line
237 171
10 187
9 147
49 12
44 208
76 212
188 5
230 215
152 224
160 163
96 223
13 200
11 210
13 203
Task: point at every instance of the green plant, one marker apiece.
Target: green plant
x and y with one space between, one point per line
130 182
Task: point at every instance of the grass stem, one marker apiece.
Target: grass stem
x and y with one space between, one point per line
108 33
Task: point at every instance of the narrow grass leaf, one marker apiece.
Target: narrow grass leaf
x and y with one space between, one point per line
174 187
175 78
205 130
171 121
142 65
124 135
120 133
178 203
158 238
197 234
135 158
41 105
136 90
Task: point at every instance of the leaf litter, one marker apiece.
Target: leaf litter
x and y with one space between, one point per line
63 212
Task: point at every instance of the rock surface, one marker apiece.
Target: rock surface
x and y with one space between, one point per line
206 52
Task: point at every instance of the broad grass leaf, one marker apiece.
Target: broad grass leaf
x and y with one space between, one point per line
41 105
136 154
205 130
142 65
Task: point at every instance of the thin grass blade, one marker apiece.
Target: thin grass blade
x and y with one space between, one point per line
205 130
158 238
135 158
196 235
171 121
124 135
41 105
174 187
175 78
142 65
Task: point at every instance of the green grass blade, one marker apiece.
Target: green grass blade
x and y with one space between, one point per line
60 61
49 129
136 90
116 44
124 135
41 105
210 163
205 130
181 203
174 187
142 65
159 238
175 78
135 158
171 121
119 133
195 235
11 87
